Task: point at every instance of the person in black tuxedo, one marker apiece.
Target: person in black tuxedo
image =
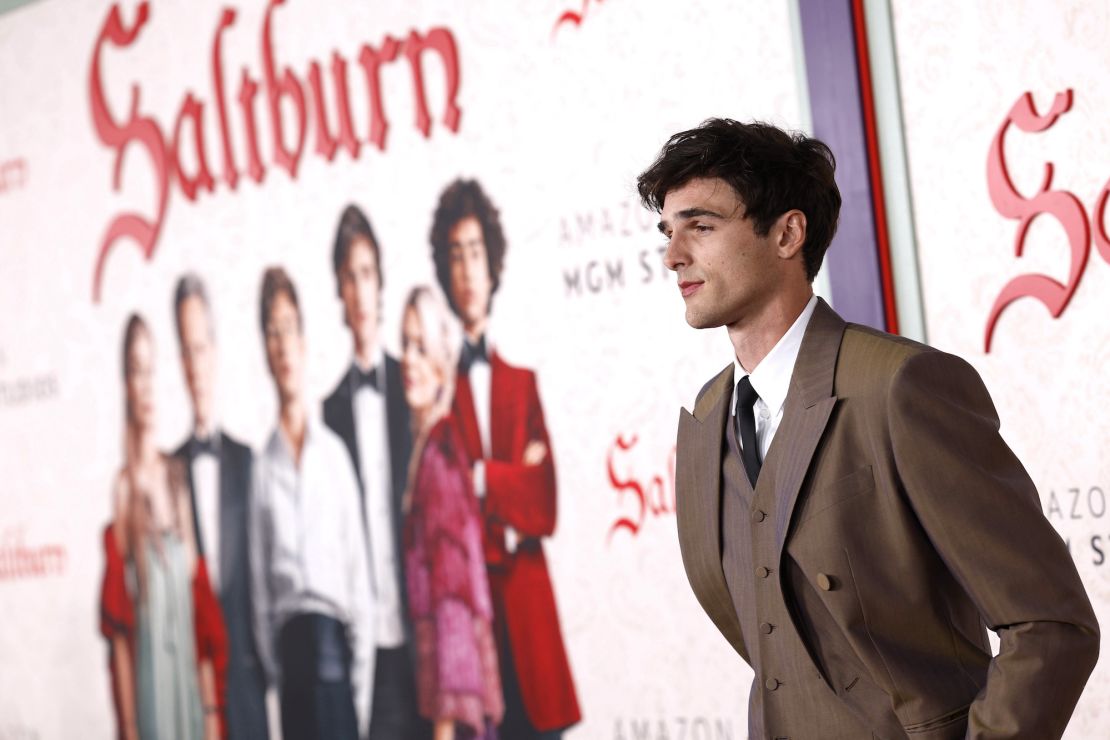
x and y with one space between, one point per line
368 412
218 472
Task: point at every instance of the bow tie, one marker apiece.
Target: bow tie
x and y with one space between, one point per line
207 446
472 353
366 378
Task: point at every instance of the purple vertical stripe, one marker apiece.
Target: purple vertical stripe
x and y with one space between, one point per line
852 262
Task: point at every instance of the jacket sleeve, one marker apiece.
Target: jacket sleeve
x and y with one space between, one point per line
981 511
523 496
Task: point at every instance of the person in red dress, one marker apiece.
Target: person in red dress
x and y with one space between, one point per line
150 521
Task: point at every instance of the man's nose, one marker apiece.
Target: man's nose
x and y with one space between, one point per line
675 255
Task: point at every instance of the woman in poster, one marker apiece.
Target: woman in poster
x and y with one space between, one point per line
459 687
158 612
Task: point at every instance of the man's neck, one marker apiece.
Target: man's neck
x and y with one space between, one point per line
366 352
203 425
475 330
293 422
754 337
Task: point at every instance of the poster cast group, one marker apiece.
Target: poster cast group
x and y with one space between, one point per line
383 570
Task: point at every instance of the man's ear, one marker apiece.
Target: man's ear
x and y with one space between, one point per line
791 230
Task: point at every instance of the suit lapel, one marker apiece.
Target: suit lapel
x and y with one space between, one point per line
499 447
230 511
468 421
700 440
809 405
345 421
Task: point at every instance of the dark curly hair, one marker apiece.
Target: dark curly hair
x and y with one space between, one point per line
771 170
461 199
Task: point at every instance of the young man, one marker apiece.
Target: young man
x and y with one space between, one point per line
368 412
218 473
848 514
499 409
312 602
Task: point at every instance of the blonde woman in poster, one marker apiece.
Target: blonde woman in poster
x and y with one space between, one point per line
458 683
157 610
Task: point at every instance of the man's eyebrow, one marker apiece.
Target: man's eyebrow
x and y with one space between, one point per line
689 213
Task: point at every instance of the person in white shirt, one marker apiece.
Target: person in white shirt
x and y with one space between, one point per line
367 410
313 608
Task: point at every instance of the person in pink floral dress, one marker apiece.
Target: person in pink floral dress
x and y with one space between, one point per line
458 683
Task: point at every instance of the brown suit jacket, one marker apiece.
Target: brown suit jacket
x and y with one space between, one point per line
904 525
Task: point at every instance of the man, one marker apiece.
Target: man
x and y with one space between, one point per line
368 412
849 516
218 473
498 407
313 609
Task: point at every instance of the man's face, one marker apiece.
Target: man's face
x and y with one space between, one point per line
470 278
198 356
358 289
285 348
726 271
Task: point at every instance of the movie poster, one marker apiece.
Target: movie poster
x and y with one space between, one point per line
339 372
1005 111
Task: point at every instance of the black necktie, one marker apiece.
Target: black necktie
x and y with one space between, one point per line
745 426
366 378
472 353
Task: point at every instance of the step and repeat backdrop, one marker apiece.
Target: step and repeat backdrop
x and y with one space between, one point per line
147 142
226 211
1005 107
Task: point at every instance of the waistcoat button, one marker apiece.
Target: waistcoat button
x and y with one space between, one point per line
772 684
766 628
824 582
762 572
758 516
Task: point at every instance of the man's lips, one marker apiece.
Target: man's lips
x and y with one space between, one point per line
689 287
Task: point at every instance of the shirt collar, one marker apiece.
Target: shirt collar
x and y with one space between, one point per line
377 359
771 377
278 446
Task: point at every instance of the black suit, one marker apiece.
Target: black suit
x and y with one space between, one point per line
395 712
246 686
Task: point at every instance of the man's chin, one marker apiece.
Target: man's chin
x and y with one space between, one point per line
698 320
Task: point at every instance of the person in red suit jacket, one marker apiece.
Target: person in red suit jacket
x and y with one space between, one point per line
499 412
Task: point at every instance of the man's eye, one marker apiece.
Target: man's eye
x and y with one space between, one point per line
702 228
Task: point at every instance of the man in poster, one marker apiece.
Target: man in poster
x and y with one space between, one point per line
849 516
314 613
368 412
218 474
498 408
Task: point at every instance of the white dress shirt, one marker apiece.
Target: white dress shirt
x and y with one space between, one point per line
372 433
308 551
480 377
205 471
771 380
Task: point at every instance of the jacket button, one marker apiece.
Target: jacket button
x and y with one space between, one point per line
772 684
762 572
824 582
758 516
766 628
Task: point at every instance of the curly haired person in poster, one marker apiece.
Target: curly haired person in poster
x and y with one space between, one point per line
498 410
